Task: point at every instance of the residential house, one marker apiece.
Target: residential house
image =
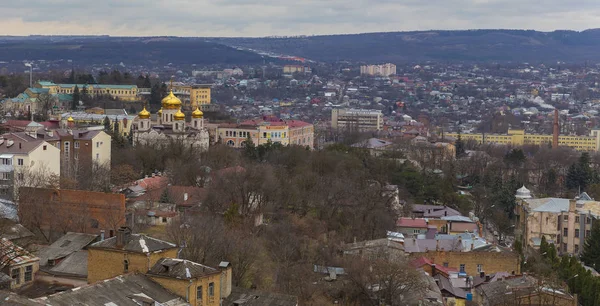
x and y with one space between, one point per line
199 284
411 227
375 146
23 162
124 253
65 261
17 263
522 290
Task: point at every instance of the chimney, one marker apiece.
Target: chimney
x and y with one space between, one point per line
185 196
482 274
226 273
555 130
102 235
123 236
572 205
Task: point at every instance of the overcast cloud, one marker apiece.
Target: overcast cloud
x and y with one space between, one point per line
281 17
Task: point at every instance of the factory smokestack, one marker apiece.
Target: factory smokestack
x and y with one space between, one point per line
555 130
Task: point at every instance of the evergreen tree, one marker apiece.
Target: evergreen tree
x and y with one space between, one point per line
76 98
72 77
580 175
460 146
591 248
147 83
249 148
106 124
85 95
164 197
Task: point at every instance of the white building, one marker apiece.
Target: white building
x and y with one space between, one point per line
359 119
171 126
382 70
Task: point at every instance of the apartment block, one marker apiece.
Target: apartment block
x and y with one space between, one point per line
381 70
357 119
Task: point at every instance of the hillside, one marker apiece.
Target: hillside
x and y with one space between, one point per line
113 50
471 45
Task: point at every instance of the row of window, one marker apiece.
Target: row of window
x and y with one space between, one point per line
200 292
237 134
566 233
462 268
16 274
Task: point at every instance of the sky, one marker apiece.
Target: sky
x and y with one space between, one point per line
283 17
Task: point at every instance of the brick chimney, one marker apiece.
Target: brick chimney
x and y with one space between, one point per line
123 236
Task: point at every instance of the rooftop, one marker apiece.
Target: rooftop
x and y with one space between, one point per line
410 222
180 269
138 243
248 297
64 246
13 254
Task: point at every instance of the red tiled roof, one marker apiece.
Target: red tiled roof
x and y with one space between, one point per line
409 222
176 195
421 261
151 183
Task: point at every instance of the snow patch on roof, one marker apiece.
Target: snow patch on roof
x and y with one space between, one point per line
143 245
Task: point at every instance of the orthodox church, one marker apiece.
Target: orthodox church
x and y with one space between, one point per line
170 126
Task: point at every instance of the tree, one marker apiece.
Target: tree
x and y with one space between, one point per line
46 102
591 248
76 98
580 174
460 146
85 95
249 148
106 123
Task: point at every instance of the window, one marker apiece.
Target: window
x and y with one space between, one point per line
97 144
125 265
576 219
6 161
479 268
28 273
44 147
211 289
462 268
445 264
66 148
20 162
588 220
565 232
564 247
16 275
566 217
76 145
97 156
576 248
199 294
58 144
20 176
76 155
576 233
587 233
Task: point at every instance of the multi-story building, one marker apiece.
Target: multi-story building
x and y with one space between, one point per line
566 223
289 69
170 126
195 95
121 92
519 138
357 119
122 123
78 148
291 132
383 70
26 162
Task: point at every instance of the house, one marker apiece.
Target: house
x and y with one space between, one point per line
521 290
199 284
17 263
375 146
411 227
433 211
65 261
248 297
79 210
124 253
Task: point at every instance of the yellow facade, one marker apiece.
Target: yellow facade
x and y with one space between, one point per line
199 94
121 92
190 289
519 138
108 263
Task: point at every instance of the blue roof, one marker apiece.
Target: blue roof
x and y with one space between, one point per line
46 83
38 90
105 86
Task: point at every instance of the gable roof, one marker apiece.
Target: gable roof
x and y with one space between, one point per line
410 222
11 230
181 269
13 254
131 289
137 243
74 265
65 246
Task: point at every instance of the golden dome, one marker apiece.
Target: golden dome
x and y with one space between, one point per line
144 114
197 113
179 115
171 101
70 119
160 112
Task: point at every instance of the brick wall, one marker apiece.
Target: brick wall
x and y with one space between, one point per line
104 264
491 262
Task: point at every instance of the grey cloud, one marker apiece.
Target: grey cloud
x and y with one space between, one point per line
272 17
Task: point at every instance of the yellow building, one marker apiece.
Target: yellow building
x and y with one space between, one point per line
292 132
126 253
199 94
519 138
17 263
83 119
198 284
121 92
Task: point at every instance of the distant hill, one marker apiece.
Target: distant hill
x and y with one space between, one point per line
130 50
469 45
